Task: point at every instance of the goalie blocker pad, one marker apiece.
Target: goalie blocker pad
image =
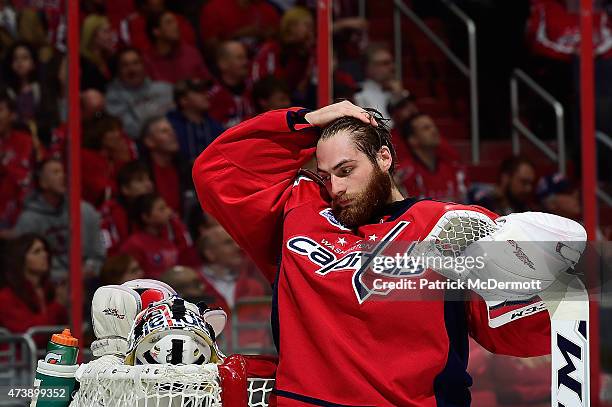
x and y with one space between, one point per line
529 247
113 310
527 254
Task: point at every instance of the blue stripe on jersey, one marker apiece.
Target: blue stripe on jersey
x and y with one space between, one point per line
451 385
274 318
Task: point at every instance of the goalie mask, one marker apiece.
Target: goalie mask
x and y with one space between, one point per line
172 331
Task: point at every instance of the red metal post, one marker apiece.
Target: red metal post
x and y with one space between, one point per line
324 63
74 170
589 173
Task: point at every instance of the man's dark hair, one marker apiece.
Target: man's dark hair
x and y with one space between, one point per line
266 87
407 129
130 171
6 98
40 166
114 65
142 205
368 139
10 77
146 127
96 128
511 164
153 23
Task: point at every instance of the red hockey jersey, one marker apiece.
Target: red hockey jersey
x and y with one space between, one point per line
341 340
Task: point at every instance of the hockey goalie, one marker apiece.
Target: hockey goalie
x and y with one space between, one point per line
344 335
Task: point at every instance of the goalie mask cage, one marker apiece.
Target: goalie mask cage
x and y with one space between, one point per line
240 381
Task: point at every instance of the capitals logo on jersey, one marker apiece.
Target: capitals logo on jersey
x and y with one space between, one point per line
359 258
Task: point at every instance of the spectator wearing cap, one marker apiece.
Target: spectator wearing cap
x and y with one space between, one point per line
16 163
291 57
133 96
194 128
170 59
513 191
425 172
230 97
171 175
134 26
270 93
380 84
559 196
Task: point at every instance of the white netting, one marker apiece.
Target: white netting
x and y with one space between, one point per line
148 386
109 383
456 230
259 391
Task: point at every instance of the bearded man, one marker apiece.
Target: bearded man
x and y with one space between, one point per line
341 339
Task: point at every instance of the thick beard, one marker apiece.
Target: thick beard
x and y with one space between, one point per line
370 201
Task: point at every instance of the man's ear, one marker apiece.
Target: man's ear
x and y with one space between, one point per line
384 158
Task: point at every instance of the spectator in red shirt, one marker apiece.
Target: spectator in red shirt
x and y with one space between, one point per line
270 93
170 174
27 288
150 245
92 108
553 29
170 59
230 97
249 20
104 152
16 163
291 57
97 47
134 27
133 180
425 173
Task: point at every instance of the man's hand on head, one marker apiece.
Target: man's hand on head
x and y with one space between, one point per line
322 117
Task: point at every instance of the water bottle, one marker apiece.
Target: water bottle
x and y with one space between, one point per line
55 382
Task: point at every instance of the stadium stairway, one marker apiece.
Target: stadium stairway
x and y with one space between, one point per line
442 92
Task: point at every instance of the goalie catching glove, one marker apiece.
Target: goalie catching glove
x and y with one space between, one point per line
521 254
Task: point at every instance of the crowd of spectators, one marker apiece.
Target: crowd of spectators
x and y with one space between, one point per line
156 90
